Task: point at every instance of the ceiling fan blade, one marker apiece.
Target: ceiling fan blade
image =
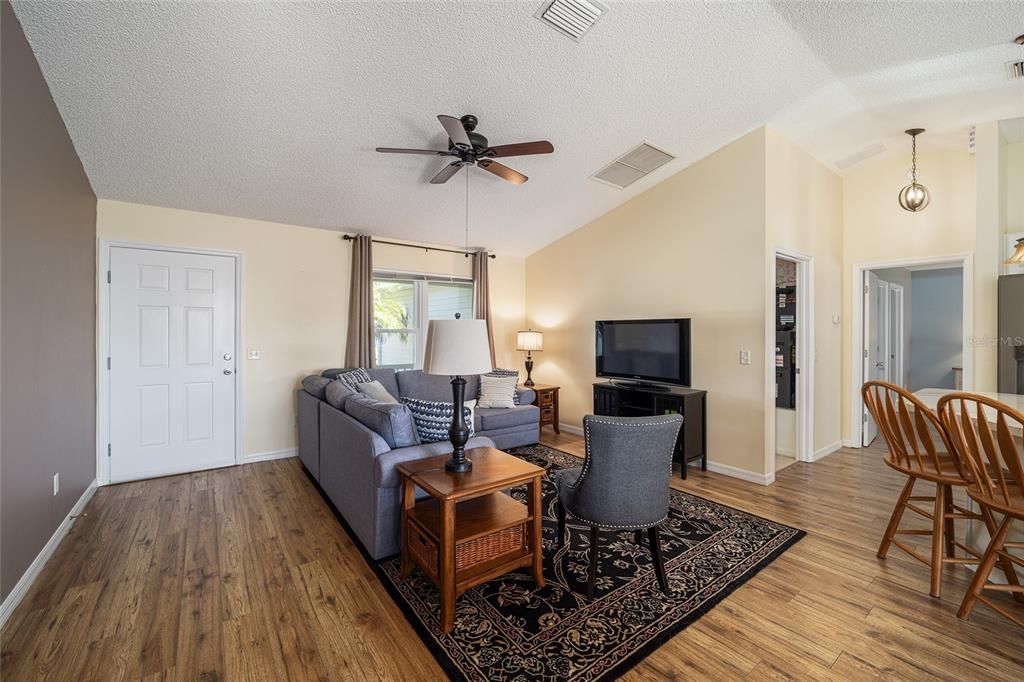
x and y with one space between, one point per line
446 173
503 172
456 132
397 150
520 149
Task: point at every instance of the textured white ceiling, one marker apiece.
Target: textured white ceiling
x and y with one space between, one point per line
272 110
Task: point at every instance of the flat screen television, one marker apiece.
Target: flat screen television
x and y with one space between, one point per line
644 350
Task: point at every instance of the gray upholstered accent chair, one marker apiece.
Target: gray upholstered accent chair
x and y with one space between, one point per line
623 483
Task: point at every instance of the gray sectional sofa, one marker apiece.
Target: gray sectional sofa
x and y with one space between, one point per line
356 467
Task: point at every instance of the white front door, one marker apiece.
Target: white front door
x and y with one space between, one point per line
172 364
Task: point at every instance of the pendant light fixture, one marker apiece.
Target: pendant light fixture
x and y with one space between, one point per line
1018 255
914 197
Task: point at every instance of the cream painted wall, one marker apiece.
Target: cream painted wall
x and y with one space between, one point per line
803 213
876 229
296 282
689 247
1013 182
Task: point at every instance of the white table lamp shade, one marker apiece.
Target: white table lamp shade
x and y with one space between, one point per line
457 348
530 340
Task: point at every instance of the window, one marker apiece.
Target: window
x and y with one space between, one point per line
403 305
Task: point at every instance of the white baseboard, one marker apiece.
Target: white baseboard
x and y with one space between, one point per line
267 456
36 567
742 474
851 443
826 451
569 428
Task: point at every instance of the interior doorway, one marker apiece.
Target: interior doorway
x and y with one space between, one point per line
911 330
791 341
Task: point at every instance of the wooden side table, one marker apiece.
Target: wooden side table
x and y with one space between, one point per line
547 400
470 532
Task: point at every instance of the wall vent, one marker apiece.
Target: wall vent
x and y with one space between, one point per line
572 18
1015 70
633 165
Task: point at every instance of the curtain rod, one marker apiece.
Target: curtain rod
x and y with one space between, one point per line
349 238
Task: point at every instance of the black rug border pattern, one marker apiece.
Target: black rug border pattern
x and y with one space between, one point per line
620 668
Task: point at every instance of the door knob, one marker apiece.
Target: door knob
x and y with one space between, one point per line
227 371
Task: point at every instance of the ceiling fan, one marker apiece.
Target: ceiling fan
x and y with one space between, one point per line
470 148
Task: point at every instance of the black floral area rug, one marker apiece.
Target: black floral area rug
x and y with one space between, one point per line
508 629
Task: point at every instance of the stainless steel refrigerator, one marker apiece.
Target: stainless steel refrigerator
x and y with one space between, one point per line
1011 334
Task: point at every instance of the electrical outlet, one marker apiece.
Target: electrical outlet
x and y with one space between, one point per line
56 484
744 357
252 354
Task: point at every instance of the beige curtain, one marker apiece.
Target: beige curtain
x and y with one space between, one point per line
359 348
482 295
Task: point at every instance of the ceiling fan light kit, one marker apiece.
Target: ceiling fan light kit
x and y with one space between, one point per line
915 196
470 148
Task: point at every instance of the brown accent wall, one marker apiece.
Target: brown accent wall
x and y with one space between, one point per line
47 311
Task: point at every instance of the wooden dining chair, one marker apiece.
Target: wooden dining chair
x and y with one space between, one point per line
910 430
995 466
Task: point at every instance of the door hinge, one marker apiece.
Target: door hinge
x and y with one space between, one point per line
108 449
108 363
865 352
866 288
108 276
864 417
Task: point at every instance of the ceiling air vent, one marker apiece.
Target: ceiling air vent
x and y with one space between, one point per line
1015 70
572 18
633 165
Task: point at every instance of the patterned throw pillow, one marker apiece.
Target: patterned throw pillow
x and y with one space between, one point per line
354 377
499 372
434 418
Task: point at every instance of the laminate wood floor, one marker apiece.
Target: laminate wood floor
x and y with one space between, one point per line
244 574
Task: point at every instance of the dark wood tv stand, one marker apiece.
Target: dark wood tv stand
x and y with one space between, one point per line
613 399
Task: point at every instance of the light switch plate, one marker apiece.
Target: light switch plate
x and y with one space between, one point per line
56 484
744 357
252 354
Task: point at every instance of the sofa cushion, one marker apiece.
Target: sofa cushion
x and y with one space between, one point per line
391 421
385 474
497 391
337 392
434 417
316 386
416 384
376 390
499 372
385 375
491 418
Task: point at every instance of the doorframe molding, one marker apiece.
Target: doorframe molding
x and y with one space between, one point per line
964 260
103 343
805 354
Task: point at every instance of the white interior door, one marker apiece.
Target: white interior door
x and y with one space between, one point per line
875 342
895 319
172 365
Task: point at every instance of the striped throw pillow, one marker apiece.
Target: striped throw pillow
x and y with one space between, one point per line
354 377
434 418
499 372
497 391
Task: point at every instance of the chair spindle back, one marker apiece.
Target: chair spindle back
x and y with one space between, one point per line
906 431
994 461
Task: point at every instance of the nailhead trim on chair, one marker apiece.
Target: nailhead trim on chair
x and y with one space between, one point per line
586 465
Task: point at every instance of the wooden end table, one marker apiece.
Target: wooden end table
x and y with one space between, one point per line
470 532
547 400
